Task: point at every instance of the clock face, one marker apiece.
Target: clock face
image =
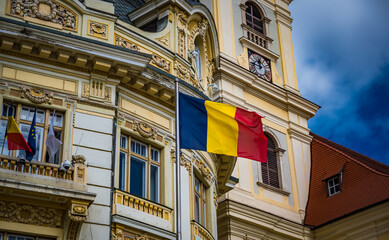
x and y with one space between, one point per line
259 66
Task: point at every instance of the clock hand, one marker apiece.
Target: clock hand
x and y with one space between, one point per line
259 64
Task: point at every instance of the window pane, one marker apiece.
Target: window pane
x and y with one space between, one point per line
58 119
25 129
197 185
138 148
57 156
123 142
154 155
197 208
6 110
3 127
154 183
27 114
138 177
204 215
122 171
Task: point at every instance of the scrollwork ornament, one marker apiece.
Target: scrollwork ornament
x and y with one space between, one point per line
36 96
145 130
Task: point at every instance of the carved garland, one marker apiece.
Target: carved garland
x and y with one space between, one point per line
36 96
45 10
25 213
145 130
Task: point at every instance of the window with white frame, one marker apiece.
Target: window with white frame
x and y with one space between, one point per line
200 202
23 115
139 168
334 185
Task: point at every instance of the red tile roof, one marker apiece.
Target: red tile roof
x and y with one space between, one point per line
365 182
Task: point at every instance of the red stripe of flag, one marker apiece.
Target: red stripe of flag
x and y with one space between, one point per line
252 142
16 141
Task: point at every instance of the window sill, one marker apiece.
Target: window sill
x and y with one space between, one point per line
274 189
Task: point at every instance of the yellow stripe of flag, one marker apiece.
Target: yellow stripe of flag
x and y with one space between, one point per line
12 127
222 128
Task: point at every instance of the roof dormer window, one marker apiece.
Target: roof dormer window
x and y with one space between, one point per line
334 185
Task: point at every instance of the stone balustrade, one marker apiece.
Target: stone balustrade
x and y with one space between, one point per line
256 37
76 173
155 209
200 232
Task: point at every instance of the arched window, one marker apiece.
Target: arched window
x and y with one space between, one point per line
270 169
254 17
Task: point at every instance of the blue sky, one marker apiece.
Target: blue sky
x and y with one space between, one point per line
341 51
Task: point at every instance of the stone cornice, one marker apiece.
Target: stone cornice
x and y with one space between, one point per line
88 53
258 221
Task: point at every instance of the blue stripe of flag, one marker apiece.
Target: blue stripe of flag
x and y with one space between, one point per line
193 123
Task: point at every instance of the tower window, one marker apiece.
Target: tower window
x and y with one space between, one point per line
253 17
270 169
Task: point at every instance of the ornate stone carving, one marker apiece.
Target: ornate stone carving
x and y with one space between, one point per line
182 26
215 197
28 214
200 29
98 29
78 159
155 60
165 40
187 164
145 130
45 10
36 96
161 63
205 172
86 92
181 72
85 89
119 41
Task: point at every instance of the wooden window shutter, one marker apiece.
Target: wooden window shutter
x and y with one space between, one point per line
270 169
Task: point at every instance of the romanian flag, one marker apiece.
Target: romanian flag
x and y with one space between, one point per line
15 138
221 128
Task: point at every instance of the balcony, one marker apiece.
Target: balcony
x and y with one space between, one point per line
136 212
44 195
199 232
256 37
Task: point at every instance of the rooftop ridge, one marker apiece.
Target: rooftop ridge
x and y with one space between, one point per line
320 139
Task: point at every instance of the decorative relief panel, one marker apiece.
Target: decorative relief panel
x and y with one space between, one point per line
165 40
156 60
97 29
36 96
96 91
182 28
28 214
45 10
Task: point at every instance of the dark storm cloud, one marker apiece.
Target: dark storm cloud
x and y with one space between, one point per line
342 60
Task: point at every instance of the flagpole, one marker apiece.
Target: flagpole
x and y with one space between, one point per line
178 160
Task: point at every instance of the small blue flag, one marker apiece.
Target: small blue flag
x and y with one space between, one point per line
32 139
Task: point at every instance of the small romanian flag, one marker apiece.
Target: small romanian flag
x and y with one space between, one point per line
221 128
16 141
